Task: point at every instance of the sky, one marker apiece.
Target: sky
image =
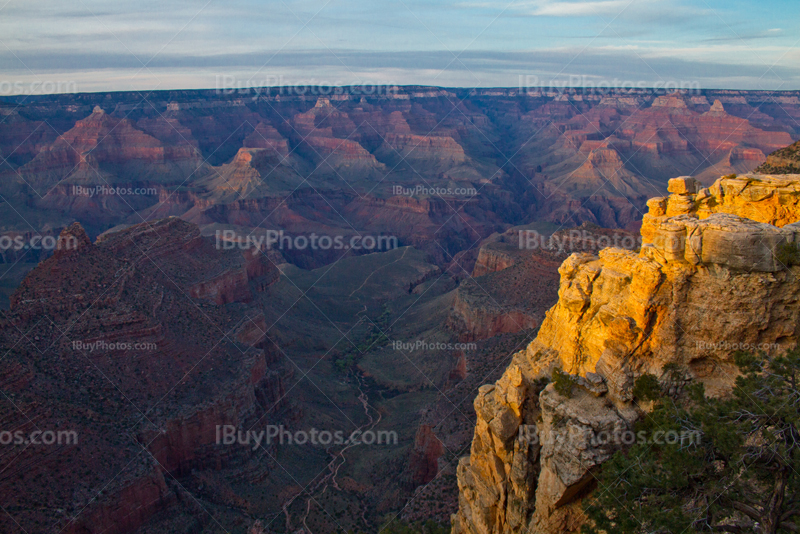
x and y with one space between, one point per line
53 46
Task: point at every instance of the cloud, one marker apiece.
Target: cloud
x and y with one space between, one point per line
652 11
768 34
592 67
610 8
194 41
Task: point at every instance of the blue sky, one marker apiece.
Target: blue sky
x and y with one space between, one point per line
89 45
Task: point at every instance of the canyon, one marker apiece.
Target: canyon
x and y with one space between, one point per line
520 218
99 341
474 162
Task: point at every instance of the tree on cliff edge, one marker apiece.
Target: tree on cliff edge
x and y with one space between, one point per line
737 468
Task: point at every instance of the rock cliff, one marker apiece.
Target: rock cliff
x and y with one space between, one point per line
706 282
521 279
115 342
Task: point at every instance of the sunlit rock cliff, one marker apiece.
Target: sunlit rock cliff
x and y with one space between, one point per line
715 274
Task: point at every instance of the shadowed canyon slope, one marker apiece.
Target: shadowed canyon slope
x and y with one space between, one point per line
148 341
103 341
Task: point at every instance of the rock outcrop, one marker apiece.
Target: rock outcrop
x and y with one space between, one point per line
763 198
493 258
706 282
783 161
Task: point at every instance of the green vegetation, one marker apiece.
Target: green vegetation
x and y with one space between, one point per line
373 340
563 383
788 254
734 468
647 388
783 161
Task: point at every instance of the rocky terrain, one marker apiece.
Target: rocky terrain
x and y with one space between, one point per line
103 340
439 169
148 340
685 300
783 161
143 330
515 278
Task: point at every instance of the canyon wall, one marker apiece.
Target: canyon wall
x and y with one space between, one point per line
515 279
119 342
428 166
706 281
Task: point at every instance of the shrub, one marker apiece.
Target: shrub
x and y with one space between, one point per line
563 383
647 388
736 471
788 254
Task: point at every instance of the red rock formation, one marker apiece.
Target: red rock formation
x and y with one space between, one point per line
101 147
253 172
266 136
72 241
670 127
424 461
168 129
128 509
233 285
22 139
343 150
605 169
332 138
141 374
434 151
492 259
482 323
574 157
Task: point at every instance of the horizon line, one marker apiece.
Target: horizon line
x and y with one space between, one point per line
231 91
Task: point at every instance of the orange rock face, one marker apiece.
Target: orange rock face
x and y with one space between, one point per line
685 299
